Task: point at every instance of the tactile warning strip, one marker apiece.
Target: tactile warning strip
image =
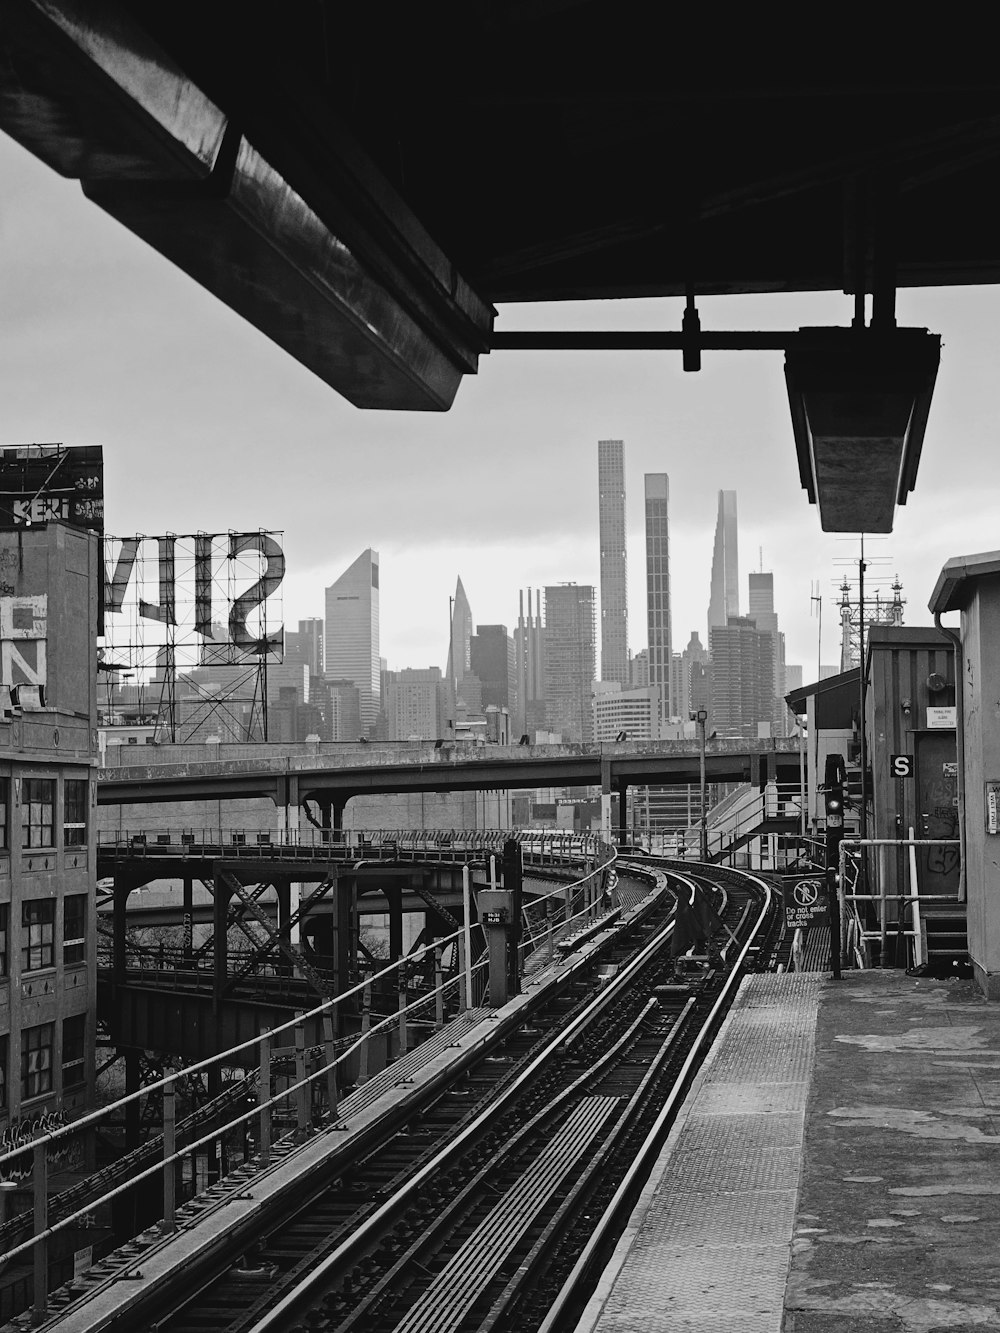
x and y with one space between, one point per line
708 1246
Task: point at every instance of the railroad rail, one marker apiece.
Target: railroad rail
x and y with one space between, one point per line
477 1225
514 1158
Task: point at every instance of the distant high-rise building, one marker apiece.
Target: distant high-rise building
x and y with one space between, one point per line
725 595
352 633
529 656
694 654
458 664
491 654
658 584
633 714
413 703
639 670
678 693
342 700
614 583
304 646
761 611
570 660
742 678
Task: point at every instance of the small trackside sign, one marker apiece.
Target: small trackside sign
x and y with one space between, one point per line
805 903
901 765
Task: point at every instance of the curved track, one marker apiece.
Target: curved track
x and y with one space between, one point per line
477 1211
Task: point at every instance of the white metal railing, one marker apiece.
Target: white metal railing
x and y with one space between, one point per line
238 841
582 902
852 850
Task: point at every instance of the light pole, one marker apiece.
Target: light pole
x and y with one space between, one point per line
700 716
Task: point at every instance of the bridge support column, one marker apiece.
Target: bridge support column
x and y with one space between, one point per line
331 817
606 799
344 952
220 965
132 1084
124 884
394 899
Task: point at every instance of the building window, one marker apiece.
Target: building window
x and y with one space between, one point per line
76 795
36 1061
74 1064
4 930
39 935
74 928
38 804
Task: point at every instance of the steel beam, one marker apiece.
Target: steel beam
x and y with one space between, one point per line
346 279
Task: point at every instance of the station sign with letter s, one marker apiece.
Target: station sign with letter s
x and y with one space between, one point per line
901 765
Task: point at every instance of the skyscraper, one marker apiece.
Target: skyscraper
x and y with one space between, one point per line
694 654
614 586
658 584
725 595
305 645
414 703
352 633
529 653
570 660
491 654
458 665
761 611
742 677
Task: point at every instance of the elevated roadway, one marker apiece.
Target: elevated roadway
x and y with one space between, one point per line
332 775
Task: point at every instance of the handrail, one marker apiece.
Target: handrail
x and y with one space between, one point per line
912 898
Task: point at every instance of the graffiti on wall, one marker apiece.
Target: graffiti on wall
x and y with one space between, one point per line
63 1155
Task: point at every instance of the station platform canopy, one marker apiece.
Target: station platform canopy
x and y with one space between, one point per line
366 183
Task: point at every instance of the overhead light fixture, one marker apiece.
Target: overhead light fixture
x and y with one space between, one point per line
859 400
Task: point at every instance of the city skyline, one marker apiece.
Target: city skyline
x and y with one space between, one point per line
207 426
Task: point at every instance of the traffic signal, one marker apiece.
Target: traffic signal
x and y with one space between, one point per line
833 790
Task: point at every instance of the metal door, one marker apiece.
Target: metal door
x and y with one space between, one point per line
937 810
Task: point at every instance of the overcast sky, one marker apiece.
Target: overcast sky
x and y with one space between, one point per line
206 424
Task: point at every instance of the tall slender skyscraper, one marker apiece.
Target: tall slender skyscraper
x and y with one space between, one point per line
658 585
614 584
570 659
725 597
352 633
529 651
457 666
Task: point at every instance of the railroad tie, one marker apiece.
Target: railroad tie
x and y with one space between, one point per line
453 1292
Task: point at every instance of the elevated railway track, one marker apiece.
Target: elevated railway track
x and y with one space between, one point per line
473 1203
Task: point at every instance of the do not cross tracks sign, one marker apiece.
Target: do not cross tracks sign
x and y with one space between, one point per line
805 903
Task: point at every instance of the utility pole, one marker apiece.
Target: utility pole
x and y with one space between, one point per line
701 717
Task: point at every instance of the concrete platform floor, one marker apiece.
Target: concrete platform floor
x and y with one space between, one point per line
898 1220
836 1169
